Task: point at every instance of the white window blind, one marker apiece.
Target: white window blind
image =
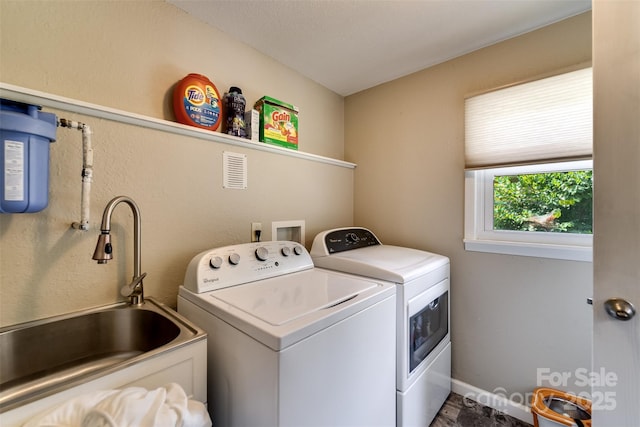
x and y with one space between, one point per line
542 121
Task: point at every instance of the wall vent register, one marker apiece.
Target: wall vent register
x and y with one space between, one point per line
234 171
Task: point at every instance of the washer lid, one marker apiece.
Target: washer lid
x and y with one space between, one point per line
284 310
281 300
385 262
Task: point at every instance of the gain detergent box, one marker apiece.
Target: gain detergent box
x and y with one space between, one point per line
278 122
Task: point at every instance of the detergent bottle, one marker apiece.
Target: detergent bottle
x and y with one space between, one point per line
234 105
196 102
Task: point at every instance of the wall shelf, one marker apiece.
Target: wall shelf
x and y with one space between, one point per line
30 96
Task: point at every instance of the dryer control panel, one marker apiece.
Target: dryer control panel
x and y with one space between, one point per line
343 239
237 264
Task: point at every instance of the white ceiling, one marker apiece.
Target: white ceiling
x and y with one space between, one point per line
351 45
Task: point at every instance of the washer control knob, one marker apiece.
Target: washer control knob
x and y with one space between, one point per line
262 253
234 259
297 250
215 262
286 251
353 237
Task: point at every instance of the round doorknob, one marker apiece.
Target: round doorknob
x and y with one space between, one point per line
619 308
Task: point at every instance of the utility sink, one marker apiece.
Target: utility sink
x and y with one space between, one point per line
47 356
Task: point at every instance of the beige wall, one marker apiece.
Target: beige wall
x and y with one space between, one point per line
128 55
510 315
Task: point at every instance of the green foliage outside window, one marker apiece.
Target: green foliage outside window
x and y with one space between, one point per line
555 201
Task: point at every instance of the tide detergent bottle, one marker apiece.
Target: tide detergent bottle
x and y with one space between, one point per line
196 102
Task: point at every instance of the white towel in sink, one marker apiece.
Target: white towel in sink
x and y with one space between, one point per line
134 406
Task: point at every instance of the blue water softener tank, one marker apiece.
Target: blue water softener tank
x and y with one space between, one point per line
26 133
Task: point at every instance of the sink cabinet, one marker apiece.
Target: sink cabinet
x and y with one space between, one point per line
161 347
186 365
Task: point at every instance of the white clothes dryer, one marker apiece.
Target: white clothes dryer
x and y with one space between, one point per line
290 344
423 365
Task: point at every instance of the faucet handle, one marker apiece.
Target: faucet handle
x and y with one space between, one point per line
128 290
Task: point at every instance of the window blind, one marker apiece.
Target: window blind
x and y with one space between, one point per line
542 121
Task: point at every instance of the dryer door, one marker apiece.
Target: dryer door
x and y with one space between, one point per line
428 324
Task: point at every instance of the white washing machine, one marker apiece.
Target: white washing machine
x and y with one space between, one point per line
423 345
290 344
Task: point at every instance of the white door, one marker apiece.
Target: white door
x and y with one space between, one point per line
616 343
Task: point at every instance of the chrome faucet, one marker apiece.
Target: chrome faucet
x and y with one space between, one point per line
103 252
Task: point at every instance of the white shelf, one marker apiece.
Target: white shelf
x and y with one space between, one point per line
29 96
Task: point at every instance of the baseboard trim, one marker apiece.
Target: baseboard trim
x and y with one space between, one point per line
492 400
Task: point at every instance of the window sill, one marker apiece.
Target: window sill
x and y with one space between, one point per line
540 250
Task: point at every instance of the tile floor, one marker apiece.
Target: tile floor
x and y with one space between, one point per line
457 412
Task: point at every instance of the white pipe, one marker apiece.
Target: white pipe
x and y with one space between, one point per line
87 171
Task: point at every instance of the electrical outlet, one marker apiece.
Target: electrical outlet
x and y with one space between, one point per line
255 226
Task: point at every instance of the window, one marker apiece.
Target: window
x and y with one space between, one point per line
528 176
501 216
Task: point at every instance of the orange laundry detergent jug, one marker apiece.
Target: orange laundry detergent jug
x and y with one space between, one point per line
196 102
